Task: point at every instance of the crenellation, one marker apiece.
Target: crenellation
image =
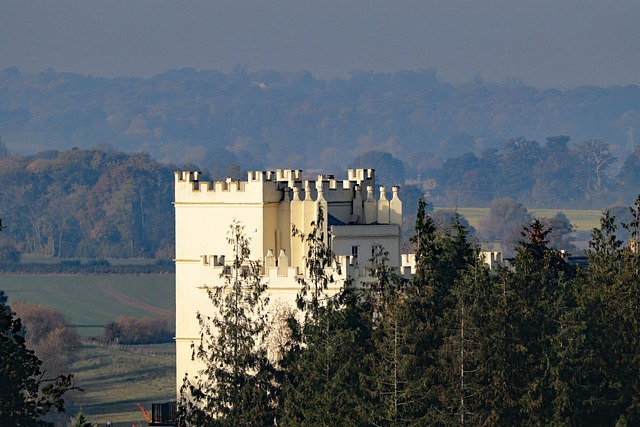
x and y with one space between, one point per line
360 175
288 174
261 176
187 176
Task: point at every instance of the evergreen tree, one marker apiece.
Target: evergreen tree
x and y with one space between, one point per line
607 349
623 329
237 385
538 294
80 421
321 384
324 361
393 376
462 325
473 355
502 350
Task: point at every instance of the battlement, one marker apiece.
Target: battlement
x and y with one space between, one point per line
279 185
187 176
190 179
359 175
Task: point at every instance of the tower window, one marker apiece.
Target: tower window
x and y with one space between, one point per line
355 254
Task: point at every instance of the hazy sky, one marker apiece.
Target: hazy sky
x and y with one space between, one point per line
541 42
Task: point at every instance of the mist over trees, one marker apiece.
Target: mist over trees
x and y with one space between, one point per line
86 163
580 175
270 119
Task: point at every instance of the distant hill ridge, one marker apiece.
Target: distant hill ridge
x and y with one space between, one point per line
270 119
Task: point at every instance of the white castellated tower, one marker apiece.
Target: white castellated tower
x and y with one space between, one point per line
268 205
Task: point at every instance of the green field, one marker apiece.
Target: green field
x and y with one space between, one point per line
583 220
90 302
114 381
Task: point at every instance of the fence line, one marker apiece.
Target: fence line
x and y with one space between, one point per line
114 345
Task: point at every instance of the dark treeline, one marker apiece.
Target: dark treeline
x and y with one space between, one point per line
541 343
99 267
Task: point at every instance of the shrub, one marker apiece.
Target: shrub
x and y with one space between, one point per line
9 254
148 330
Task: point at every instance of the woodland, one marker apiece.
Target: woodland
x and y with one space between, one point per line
540 343
269 119
100 203
86 163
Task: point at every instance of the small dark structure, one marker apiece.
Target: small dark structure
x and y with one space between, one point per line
163 414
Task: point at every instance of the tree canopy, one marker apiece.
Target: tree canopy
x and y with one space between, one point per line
539 342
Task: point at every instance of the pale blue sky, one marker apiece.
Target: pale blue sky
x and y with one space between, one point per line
541 42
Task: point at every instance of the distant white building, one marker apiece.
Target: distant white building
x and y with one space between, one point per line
269 205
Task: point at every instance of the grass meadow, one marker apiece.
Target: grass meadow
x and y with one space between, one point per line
90 302
114 380
583 220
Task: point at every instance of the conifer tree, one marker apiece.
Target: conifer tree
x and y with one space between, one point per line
605 353
322 366
623 352
592 371
459 355
441 258
392 379
237 385
537 299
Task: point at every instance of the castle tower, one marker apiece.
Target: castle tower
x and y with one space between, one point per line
268 205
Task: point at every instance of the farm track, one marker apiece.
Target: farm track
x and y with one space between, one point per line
111 292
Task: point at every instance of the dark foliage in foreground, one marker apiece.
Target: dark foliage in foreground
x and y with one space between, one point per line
539 343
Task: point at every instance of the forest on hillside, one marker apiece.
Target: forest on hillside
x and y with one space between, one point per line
88 204
269 119
101 203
